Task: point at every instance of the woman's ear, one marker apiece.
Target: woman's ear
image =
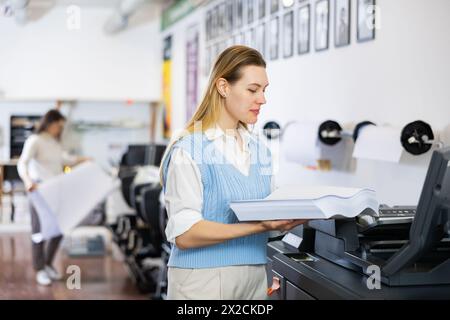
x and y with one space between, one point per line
222 86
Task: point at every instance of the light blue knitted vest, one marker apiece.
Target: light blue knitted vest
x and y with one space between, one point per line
223 183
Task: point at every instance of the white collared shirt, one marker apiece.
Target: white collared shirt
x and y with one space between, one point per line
184 189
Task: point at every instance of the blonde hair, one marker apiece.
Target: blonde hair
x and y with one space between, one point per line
228 66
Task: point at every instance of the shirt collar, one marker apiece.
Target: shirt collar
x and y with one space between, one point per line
216 132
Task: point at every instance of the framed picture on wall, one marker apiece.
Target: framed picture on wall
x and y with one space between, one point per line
214 18
218 22
207 61
239 38
288 34
230 41
239 13
229 16
366 20
250 38
223 45
250 11
304 27
261 9
215 52
260 42
208 25
274 6
222 19
273 38
322 28
342 23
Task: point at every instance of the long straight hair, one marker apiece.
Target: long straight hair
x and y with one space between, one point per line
50 117
228 66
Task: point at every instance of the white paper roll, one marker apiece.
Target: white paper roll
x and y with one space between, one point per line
379 143
300 143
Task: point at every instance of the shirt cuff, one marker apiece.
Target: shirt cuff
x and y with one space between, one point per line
28 183
181 222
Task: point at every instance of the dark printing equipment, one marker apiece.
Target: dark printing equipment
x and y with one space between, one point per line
338 258
140 236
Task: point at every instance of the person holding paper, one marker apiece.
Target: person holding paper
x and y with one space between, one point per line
216 160
43 158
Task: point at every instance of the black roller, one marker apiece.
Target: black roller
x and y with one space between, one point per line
418 130
272 130
329 126
358 128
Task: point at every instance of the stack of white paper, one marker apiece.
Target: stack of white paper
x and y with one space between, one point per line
65 200
293 202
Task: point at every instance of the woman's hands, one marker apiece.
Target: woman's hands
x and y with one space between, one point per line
32 187
205 233
281 225
83 159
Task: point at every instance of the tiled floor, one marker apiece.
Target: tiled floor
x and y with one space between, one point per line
101 278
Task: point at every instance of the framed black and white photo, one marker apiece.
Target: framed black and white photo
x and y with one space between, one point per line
250 38
322 28
288 34
342 23
366 20
274 6
250 11
215 52
229 16
274 38
223 45
239 38
208 25
230 41
260 43
214 21
208 58
261 9
239 13
304 29
222 18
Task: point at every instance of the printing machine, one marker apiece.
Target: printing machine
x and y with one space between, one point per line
140 235
401 253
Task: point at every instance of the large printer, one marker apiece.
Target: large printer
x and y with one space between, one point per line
403 253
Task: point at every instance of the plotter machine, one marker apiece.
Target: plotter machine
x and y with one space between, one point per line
403 253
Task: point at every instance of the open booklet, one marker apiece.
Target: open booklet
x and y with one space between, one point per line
321 202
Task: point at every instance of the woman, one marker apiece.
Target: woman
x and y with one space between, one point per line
43 158
216 160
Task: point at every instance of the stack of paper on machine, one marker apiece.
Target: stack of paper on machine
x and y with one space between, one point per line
322 202
65 200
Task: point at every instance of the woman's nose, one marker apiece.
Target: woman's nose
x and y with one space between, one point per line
262 99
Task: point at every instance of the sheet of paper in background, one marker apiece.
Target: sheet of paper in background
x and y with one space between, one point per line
70 197
300 143
321 202
379 143
47 219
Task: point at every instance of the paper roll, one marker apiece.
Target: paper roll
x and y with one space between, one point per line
300 143
379 143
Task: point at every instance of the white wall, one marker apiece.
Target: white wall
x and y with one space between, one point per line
44 60
403 75
179 34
